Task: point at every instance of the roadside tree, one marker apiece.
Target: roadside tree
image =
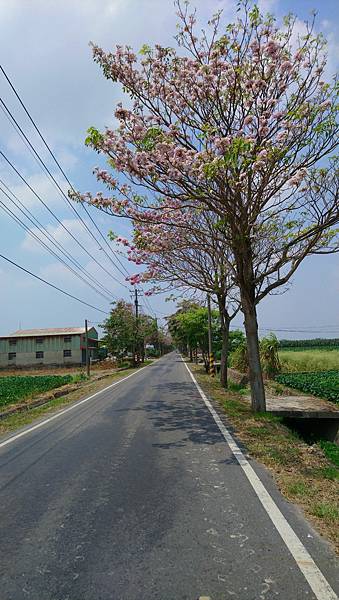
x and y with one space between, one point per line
240 121
191 257
119 330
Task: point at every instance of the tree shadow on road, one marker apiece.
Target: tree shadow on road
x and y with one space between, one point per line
181 417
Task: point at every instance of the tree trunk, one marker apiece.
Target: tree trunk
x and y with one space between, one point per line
244 262
255 372
225 328
191 354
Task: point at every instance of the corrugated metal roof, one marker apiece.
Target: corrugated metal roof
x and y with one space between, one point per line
46 332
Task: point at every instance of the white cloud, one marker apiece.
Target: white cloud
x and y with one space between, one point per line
267 6
60 235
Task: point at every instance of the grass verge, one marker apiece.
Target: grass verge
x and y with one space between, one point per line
21 419
306 475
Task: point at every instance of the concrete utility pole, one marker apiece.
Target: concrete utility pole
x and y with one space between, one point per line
136 302
211 369
88 362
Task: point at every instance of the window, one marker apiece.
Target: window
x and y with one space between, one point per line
11 355
39 354
12 342
67 338
39 340
67 353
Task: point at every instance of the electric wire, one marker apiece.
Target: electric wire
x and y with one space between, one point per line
23 226
38 225
58 220
52 285
60 168
41 163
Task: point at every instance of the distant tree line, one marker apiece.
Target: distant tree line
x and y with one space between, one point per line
315 343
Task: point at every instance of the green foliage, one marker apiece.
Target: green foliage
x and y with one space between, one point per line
119 329
269 355
94 137
331 473
239 358
321 383
152 136
79 377
236 338
326 511
194 326
315 343
254 16
299 488
331 450
15 388
145 49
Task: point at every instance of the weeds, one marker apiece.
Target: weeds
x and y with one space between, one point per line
300 488
326 511
331 450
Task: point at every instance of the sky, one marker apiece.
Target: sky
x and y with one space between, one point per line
44 50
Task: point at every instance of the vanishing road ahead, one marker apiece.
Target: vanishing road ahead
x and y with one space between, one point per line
135 494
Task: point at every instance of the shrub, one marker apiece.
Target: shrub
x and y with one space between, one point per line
269 355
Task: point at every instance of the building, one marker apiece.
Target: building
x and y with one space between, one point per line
57 346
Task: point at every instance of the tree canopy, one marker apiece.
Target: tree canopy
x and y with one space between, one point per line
237 120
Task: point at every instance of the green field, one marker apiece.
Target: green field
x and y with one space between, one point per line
16 388
324 384
293 361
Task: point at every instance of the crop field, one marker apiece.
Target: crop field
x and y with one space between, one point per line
324 384
296 360
16 388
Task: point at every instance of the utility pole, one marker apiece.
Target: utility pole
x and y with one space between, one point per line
136 302
88 362
158 348
211 369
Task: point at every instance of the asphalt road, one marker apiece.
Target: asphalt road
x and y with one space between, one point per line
135 495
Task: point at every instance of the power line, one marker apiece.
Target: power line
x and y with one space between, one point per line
23 226
61 170
58 220
39 160
52 285
60 248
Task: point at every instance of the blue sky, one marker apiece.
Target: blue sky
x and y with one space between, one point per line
44 49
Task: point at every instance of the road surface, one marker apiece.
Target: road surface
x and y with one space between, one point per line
134 495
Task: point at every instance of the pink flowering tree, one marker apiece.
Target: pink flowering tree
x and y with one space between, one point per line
194 256
240 121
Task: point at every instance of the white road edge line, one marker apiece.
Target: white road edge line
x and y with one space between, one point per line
314 577
66 410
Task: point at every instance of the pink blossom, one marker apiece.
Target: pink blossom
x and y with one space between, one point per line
248 120
258 165
325 104
262 155
286 66
263 131
278 114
